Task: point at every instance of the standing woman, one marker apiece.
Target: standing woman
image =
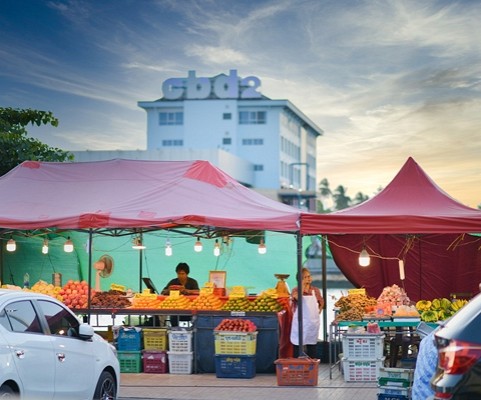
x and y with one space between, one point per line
312 304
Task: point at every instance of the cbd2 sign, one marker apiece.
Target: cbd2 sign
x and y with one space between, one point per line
222 87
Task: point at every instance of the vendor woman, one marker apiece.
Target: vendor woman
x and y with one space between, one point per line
312 305
183 283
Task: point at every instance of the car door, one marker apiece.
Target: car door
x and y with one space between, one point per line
74 357
32 350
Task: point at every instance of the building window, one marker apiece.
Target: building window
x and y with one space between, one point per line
252 117
172 142
227 140
258 167
171 118
227 116
252 142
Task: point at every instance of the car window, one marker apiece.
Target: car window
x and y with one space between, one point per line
60 321
20 316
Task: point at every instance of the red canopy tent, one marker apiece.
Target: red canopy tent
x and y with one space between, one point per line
412 220
135 194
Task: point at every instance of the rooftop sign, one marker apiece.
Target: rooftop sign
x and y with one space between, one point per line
219 87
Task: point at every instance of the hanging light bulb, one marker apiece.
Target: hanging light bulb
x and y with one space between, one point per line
68 245
217 248
45 246
402 276
364 258
168 248
198 245
262 249
11 245
137 243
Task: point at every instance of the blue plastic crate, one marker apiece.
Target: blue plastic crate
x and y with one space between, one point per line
129 339
385 396
235 366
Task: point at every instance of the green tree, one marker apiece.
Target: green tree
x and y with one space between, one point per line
360 198
16 147
324 193
340 197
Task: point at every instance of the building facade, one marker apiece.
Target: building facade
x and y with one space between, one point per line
268 145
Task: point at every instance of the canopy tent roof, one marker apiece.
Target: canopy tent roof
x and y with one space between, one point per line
411 203
412 220
135 194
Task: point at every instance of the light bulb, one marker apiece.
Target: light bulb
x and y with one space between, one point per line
45 247
217 248
68 245
262 249
138 244
11 245
198 246
364 258
168 248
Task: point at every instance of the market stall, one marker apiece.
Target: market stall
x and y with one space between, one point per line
412 232
126 197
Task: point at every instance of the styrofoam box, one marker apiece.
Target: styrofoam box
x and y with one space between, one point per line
398 373
361 370
363 347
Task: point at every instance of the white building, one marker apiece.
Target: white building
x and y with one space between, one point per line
269 145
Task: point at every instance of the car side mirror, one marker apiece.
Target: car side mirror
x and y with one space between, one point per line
85 331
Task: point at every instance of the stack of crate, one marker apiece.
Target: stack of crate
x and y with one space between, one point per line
129 346
362 356
180 352
395 383
235 354
154 354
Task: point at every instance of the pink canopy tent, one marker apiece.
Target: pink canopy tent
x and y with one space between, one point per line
135 194
412 220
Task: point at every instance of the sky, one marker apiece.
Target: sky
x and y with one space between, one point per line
384 79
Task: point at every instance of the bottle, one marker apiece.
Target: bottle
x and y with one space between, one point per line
26 281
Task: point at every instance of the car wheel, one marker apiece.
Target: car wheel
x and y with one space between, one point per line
6 392
106 387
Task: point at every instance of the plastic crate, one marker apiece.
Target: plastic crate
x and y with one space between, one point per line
398 373
130 361
180 363
243 343
129 339
235 366
363 347
398 382
155 339
180 341
382 396
297 371
361 370
154 362
397 391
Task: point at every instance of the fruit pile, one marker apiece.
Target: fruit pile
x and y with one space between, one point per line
352 307
75 294
394 295
110 299
265 303
439 309
146 301
236 304
207 302
236 325
176 303
48 289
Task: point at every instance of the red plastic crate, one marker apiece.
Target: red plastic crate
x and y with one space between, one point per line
297 371
155 362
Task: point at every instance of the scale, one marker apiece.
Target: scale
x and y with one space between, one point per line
281 287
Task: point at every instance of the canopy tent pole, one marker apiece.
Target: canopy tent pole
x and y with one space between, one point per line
299 294
324 283
89 250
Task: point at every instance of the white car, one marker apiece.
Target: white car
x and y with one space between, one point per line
46 353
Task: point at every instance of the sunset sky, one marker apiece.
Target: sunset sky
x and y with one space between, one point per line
384 79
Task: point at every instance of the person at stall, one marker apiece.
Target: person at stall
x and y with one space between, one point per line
312 305
185 285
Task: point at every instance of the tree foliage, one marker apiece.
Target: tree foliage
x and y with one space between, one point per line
338 197
16 147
